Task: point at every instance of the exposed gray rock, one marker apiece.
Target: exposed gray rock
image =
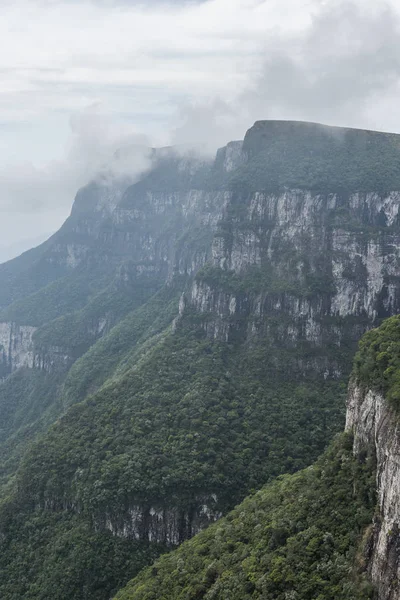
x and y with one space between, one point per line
16 347
331 264
376 427
166 525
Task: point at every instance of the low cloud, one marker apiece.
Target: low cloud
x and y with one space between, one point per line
36 199
90 153
187 73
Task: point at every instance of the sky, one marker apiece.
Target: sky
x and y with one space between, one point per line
81 78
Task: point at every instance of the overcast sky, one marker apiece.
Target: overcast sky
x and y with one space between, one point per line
81 78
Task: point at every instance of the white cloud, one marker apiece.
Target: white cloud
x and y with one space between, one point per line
341 68
201 70
36 199
58 54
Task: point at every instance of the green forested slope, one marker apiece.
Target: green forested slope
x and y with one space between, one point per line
59 556
189 419
28 405
167 413
122 345
377 363
297 538
305 536
287 154
32 399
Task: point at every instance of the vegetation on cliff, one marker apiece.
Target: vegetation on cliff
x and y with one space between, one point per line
289 154
186 417
190 418
296 538
163 409
377 363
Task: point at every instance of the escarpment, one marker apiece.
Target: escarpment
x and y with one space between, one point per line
329 263
186 338
376 428
294 212
373 418
285 555
16 347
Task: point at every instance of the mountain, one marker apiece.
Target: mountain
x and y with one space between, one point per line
300 537
184 340
321 533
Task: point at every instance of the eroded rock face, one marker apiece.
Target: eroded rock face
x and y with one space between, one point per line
326 266
376 426
166 525
329 264
16 347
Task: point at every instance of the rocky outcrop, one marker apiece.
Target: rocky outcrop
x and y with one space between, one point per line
16 347
327 266
376 428
165 525
229 158
53 358
296 266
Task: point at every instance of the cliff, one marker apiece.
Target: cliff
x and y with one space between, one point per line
191 334
301 202
295 538
373 418
16 347
376 427
285 541
330 263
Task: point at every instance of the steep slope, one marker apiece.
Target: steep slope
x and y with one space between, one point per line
296 538
330 531
373 415
201 347
123 242
119 247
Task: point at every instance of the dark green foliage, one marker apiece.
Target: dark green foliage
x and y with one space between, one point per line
63 295
121 345
265 279
157 434
26 274
24 397
76 331
285 154
58 555
31 399
297 538
377 363
191 417
27 406
152 415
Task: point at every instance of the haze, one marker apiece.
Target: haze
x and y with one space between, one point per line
81 79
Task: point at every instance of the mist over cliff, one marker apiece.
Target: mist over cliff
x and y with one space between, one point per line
185 338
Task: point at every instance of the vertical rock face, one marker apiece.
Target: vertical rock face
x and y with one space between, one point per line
16 347
165 525
230 157
376 427
328 263
289 263
292 240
